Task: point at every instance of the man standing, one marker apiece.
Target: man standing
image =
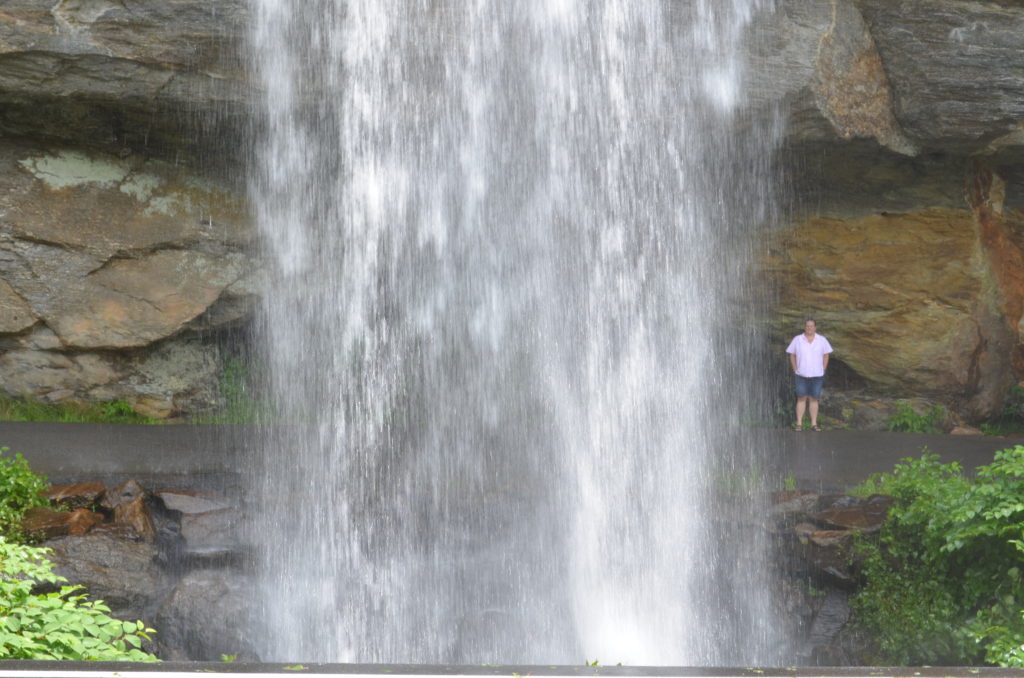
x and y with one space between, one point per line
808 356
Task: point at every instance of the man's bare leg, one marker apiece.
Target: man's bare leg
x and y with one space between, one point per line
813 411
801 405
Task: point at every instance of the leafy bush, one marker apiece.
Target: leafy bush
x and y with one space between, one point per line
907 420
944 578
60 624
20 489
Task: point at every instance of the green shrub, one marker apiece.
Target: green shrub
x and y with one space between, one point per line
943 579
60 624
20 489
907 420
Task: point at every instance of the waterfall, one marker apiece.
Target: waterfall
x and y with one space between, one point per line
503 237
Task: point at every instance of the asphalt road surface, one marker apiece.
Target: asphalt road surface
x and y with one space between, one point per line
210 456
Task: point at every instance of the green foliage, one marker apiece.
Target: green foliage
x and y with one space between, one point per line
112 412
907 420
61 624
19 491
943 579
999 428
240 404
1011 419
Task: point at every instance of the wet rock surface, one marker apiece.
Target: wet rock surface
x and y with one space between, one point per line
905 160
162 75
173 558
76 495
190 482
113 568
48 523
955 67
813 536
189 577
222 595
118 277
878 307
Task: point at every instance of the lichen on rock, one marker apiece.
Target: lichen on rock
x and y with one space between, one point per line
107 263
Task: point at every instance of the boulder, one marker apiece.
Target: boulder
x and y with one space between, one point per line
793 504
831 617
830 538
830 565
206 616
75 495
852 513
137 562
128 504
122 573
134 518
47 523
213 535
125 493
190 502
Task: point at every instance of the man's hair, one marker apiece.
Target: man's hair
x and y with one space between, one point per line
810 320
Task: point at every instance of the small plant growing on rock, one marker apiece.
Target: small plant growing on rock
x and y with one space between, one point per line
240 399
110 412
20 489
907 420
61 624
1011 419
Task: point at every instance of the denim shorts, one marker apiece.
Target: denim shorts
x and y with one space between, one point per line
809 386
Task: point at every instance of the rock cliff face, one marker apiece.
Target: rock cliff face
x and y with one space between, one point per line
113 270
127 255
905 165
126 252
164 77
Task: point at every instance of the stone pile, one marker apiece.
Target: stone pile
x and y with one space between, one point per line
173 558
819 568
177 560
